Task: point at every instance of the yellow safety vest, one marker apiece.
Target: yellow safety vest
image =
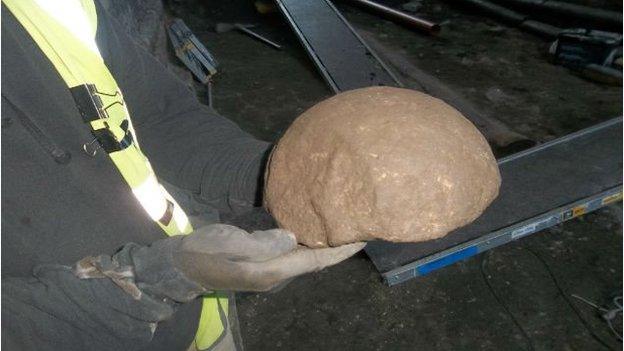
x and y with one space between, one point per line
65 32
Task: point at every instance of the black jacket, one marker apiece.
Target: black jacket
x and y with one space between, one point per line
55 212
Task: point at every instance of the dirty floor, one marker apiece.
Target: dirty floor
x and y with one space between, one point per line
516 297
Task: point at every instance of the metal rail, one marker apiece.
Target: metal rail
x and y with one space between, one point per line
503 236
342 57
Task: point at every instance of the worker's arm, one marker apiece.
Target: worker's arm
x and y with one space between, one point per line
115 302
188 144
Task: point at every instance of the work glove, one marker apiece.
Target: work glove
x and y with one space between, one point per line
222 257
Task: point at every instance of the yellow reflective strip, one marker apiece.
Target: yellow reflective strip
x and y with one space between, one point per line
135 175
89 9
151 197
68 54
225 301
133 166
179 223
210 325
72 16
181 220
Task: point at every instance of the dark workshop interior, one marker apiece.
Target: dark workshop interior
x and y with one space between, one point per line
515 297
542 269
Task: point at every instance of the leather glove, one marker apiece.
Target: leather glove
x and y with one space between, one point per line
224 257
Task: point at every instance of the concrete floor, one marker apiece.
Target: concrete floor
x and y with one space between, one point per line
515 297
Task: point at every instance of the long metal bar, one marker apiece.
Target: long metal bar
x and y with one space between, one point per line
368 48
257 36
503 236
595 15
342 57
398 16
308 47
561 140
515 18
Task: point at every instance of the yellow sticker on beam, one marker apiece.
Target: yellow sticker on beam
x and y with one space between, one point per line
579 210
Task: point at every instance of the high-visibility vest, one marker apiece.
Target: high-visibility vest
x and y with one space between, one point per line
65 31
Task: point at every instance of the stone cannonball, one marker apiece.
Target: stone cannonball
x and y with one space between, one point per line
379 163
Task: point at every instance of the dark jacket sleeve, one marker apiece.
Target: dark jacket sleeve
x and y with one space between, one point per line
188 144
103 303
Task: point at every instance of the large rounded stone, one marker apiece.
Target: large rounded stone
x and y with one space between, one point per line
379 163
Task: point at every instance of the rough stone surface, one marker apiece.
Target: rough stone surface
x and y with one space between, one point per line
379 163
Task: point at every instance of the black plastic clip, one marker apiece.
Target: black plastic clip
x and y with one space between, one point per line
88 102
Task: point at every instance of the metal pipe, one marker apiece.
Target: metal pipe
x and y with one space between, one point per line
595 15
515 18
540 28
253 34
602 74
399 16
503 13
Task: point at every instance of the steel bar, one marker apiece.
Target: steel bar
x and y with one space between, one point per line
515 18
503 236
595 15
398 16
255 35
344 60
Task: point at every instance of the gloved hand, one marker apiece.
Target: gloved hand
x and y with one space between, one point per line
224 257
